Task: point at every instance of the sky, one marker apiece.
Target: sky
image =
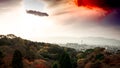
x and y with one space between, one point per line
67 19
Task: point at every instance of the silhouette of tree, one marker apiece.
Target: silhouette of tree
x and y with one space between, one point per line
99 57
1 57
17 60
55 65
65 61
96 65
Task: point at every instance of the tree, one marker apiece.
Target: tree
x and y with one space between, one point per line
55 65
1 57
30 55
88 51
17 59
99 56
65 61
96 65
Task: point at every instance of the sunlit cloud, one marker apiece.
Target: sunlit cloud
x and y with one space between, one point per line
63 21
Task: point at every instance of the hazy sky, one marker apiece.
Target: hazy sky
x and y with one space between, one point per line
65 20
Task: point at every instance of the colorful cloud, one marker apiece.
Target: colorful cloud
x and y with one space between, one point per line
106 4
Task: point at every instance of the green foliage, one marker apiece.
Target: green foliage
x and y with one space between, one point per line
55 49
30 55
99 49
1 57
96 65
74 62
81 55
36 50
88 51
55 65
66 57
65 61
17 60
4 41
99 57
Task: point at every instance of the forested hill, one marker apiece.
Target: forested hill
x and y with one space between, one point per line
10 42
16 52
32 52
13 40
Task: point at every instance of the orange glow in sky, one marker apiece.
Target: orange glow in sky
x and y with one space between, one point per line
75 2
88 3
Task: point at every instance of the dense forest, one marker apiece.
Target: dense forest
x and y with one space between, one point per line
16 52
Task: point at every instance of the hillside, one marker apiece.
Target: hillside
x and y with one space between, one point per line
16 52
31 51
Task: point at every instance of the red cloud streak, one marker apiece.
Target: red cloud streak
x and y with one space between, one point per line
105 4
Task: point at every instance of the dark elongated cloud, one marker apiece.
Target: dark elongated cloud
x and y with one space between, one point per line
37 13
